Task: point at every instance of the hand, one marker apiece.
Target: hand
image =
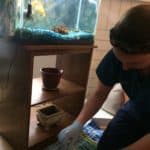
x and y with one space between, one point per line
69 135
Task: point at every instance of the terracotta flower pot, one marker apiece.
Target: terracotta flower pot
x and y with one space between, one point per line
51 77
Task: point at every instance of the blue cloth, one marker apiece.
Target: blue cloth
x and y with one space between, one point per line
137 87
43 36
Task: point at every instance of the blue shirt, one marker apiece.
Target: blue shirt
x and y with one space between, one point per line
137 87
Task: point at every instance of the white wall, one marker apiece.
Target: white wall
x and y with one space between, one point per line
43 61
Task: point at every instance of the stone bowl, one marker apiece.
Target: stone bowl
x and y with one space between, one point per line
49 116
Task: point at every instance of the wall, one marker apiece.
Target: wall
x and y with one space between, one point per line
110 12
43 61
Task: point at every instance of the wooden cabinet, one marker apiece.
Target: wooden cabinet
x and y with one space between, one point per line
21 95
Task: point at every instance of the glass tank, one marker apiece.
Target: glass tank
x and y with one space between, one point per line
53 20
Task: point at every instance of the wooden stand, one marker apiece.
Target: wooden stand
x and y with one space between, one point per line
20 94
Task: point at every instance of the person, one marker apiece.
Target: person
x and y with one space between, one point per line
127 63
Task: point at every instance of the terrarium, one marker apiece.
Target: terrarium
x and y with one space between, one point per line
51 21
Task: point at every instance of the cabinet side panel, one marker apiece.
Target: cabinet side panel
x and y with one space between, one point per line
15 80
76 67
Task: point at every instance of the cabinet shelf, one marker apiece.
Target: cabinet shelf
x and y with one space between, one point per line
38 50
65 88
38 136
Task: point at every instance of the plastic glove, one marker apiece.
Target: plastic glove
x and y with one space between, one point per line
69 135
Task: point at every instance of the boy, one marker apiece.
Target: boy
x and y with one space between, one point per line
128 63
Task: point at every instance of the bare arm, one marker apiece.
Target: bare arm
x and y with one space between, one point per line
94 103
141 144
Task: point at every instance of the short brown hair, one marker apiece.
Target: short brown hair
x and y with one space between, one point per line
131 34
